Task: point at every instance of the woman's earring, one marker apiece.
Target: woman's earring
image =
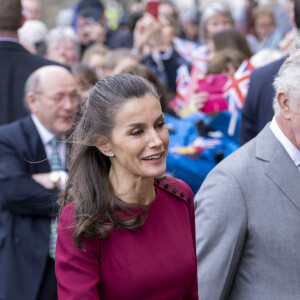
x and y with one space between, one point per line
109 154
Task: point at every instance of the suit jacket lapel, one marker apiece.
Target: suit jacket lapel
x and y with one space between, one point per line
280 169
36 148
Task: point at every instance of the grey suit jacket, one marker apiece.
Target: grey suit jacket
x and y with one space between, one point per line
248 225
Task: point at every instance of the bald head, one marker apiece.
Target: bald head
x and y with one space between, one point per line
40 78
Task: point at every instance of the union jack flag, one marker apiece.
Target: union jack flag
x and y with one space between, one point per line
236 88
182 82
186 85
194 53
235 91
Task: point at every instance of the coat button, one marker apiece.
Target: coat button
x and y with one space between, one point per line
181 194
17 241
157 181
174 190
188 199
166 185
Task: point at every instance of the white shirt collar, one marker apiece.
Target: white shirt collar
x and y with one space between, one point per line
45 134
291 149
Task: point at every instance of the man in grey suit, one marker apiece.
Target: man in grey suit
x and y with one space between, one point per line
248 209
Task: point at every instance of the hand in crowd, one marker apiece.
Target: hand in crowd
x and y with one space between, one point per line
44 180
148 35
199 99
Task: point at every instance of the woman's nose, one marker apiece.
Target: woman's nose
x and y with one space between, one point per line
155 140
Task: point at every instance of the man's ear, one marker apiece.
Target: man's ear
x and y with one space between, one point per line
32 101
283 103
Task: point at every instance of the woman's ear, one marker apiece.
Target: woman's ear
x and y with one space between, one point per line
103 145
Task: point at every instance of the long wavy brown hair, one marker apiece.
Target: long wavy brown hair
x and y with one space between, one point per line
97 210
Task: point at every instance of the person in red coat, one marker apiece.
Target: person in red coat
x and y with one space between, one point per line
126 231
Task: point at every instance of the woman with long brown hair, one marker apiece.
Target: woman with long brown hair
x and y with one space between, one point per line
126 231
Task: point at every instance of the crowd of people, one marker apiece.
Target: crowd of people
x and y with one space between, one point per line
88 207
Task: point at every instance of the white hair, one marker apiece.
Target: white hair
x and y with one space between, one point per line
33 31
61 33
288 81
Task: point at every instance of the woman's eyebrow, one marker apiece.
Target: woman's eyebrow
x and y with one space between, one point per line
140 124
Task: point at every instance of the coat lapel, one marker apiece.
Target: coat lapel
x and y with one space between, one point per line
281 169
36 150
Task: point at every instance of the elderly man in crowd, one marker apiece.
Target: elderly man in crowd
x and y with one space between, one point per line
248 209
32 170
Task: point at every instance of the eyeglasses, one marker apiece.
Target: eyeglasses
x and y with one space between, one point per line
60 98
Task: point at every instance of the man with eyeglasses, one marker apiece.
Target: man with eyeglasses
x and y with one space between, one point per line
32 171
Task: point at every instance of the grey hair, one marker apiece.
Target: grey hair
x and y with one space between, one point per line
212 9
287 80
32 84
33 31
60 33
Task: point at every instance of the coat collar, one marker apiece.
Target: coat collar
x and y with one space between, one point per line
37 151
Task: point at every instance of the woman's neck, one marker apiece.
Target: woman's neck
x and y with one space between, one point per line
132 189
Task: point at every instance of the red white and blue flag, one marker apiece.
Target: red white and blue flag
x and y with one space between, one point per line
182 82
236 88
235 91
194 53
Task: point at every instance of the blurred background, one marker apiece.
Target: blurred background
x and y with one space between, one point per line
49 9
